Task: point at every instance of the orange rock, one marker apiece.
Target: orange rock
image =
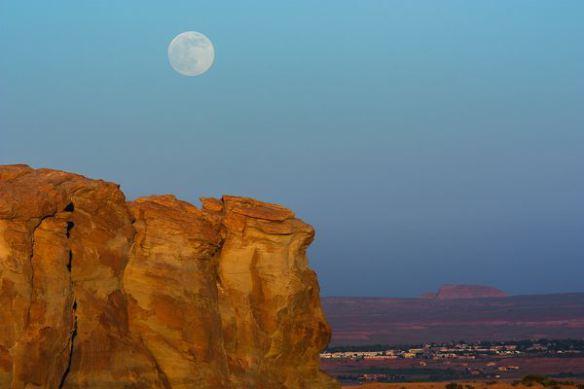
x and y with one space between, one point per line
171 282
95 292
64 246
273 325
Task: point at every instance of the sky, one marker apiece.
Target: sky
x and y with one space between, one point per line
427 142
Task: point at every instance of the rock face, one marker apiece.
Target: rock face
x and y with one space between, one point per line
452 292
96 292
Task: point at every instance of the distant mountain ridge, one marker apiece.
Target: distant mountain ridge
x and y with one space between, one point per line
457 291
374 320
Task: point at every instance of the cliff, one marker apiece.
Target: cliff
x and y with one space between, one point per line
97 292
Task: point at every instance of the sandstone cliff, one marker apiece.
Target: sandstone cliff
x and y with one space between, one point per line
96 292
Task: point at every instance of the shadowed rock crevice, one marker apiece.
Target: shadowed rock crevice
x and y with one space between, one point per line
157 293
71 345
71 339
70 261
70 226
46 329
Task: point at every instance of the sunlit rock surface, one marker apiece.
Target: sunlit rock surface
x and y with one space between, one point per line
96 292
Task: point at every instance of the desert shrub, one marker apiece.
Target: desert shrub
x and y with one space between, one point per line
530 380
454 385
547 382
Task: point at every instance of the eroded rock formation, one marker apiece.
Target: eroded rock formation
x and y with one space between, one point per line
96 292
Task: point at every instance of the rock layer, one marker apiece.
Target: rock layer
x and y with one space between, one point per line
156 293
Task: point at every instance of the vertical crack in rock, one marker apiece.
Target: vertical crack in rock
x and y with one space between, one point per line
70 225
70 261
73 334
71 345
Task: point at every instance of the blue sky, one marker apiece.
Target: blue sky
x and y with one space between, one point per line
428 142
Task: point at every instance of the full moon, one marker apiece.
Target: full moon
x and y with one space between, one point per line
191 53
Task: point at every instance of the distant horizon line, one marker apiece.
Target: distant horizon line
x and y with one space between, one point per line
420 297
